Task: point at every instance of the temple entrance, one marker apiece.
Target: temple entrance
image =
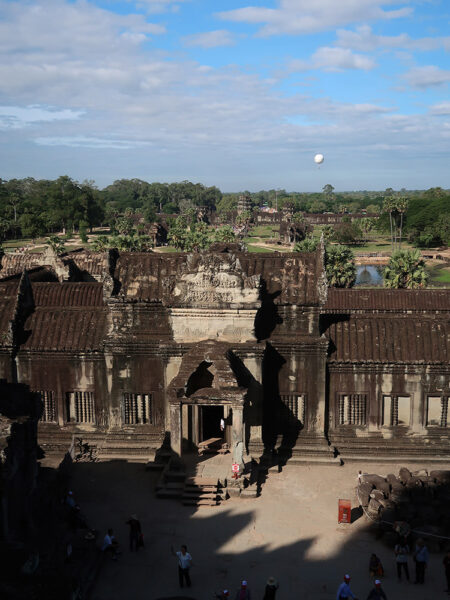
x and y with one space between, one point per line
210 419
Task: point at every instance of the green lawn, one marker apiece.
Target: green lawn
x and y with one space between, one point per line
264 231
439 276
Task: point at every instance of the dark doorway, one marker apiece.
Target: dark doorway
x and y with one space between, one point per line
210 422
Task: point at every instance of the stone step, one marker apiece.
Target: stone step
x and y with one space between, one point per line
195 488
199 497
199 503
202 481
175 485
170 494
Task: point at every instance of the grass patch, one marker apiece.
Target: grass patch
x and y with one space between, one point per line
439 275
264 231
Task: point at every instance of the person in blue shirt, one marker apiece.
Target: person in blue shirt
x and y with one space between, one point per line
344 592
421 557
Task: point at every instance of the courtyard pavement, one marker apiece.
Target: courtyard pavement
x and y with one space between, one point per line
290 532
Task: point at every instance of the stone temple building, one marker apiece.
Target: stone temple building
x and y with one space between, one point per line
126 349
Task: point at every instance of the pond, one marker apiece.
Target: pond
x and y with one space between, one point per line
369 275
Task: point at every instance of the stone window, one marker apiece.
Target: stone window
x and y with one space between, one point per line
81 407
49 406
437 411
396 410
137 409
296 403
352 409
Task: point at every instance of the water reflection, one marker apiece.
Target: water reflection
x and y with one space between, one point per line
369 275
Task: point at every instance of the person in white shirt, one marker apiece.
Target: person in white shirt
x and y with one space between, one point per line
184 564
344 592
110 544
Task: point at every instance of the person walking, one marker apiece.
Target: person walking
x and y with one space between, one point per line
377 593
344 592
135 532
184 564
421 557
401 559
243 592
446 563
271 589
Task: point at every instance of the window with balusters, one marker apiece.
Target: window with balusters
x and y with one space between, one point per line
352 409
296 403
137 409
396 410
437 411
48 406
81 407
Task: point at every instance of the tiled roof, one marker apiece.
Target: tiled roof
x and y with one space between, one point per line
8 294
14 263
68 294
390 339
65 330
94 263
144 275
387 300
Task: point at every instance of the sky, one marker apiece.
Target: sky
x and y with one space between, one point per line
227 93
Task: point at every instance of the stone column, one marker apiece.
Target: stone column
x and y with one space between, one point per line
175 427
237 437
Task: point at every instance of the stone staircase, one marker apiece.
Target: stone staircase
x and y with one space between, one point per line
203 491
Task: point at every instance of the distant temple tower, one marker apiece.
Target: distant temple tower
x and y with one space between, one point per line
244 204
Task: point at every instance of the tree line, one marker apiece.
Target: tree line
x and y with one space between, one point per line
34 208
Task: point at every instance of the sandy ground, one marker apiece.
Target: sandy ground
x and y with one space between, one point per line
290 532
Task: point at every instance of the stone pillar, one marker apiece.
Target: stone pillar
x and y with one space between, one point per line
237 436
175 427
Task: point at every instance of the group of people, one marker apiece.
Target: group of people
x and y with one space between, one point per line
136 538
402 551
184 560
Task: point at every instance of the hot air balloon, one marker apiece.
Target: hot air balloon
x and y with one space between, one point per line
318 159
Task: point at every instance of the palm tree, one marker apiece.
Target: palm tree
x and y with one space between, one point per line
401 206
406 269
309 244
56 244
340 266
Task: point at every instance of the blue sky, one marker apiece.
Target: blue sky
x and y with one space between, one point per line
227 93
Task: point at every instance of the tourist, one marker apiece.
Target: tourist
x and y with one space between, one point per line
401 558
271 589
223 595
375 566
70 500
344 592
243 592
421 556
377 593
110 544
135 532
184 564
446 563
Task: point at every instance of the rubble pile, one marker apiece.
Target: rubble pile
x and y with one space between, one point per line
410 501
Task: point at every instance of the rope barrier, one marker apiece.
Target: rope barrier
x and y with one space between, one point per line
424 533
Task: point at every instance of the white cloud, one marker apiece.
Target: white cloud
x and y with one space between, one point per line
125 100
210 39
364 40
89 142
443 108
336 59
426 77
306 16
16 117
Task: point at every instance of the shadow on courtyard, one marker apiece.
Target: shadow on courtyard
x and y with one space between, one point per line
240 540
